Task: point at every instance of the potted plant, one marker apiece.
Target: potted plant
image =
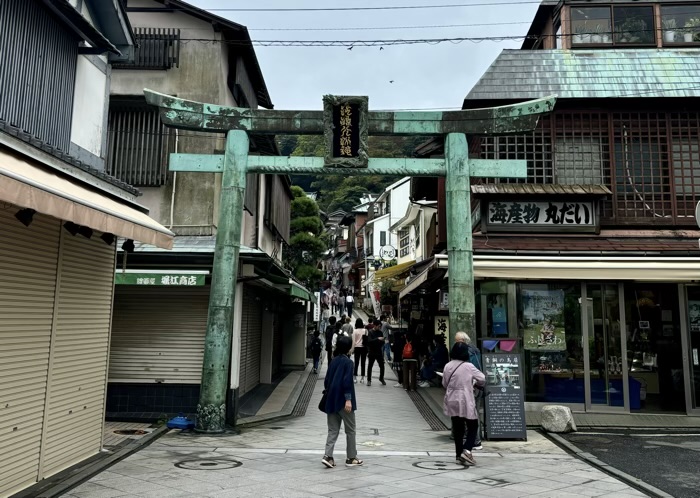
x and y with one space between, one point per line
581 34
633 30
670 26
597 35
690 33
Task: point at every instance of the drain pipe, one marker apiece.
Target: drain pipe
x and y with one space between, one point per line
172 196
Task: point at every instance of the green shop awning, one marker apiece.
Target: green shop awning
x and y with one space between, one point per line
296 290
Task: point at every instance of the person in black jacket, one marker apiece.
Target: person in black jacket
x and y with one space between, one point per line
375 348
328 336
340 403
316 348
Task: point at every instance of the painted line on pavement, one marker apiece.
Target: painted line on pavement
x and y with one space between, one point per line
608 469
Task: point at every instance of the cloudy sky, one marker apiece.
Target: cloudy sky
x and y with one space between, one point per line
424 76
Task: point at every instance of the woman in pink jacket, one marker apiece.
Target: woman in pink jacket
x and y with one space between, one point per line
459 378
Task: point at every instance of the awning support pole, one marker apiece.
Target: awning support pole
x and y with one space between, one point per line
459 237
211 410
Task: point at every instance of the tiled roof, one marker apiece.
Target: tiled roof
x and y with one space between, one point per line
595 245
571 74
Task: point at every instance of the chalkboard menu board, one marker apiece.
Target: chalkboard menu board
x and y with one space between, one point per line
505 400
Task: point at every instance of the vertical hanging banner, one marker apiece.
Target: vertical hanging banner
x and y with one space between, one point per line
505 396
346 131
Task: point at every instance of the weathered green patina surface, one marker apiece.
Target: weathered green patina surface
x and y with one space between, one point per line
190 115
456 166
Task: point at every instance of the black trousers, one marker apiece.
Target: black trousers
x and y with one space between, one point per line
458 426
360 357
380 361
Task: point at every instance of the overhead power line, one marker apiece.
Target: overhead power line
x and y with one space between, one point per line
384 7
382 28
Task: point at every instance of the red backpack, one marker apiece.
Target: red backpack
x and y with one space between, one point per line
407 351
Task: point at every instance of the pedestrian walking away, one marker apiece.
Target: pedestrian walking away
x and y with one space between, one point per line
459 378
340 404
397 348
410 364
475 359
349 302
360 338
316 349
375 348
386 333
330 331
347 327
325 316
343 332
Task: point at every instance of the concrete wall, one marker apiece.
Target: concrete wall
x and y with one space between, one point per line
188 203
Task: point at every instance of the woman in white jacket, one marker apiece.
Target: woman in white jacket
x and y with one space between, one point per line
459 378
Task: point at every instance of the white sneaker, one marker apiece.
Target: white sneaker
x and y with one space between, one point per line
355 379
423 384
398 385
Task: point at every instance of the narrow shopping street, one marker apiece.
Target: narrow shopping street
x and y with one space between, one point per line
402 455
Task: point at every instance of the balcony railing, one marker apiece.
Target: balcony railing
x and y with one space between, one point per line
156 48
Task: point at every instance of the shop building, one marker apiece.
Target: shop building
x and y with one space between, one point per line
161 299
60 218
589 267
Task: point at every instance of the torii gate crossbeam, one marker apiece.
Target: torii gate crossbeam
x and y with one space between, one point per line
235 163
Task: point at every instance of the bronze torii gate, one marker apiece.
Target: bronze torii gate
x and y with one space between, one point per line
346 124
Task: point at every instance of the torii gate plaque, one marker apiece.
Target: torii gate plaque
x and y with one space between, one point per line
346 124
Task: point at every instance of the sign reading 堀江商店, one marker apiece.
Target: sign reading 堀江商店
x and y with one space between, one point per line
346 131
546 216
171 280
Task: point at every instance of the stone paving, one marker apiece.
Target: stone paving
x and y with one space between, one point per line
403 457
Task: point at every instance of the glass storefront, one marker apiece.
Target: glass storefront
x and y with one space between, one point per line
608 346
693 293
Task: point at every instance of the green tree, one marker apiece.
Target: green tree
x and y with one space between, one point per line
344 191
306 245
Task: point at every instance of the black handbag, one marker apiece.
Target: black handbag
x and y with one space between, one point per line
322 403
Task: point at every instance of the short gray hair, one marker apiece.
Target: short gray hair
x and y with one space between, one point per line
462 337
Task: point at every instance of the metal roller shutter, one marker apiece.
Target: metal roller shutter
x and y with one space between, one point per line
251 338
78 369
28 257
158 334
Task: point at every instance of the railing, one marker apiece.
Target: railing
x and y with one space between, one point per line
156 48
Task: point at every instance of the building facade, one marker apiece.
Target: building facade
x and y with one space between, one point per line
61 217
588 267
161 308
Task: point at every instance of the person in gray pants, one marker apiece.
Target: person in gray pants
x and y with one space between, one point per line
340 404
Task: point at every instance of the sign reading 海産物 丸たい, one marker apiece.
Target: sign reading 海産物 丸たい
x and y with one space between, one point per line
544 216
174 279
346 131
505 396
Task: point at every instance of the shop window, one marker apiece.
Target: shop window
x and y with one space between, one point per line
492 316
612 26
680 24
549 325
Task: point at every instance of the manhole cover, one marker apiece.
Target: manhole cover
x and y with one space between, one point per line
209 464
441 465
130 432
591 439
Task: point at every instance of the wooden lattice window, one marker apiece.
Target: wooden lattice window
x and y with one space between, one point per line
534 147
684 131
642 173
155 48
